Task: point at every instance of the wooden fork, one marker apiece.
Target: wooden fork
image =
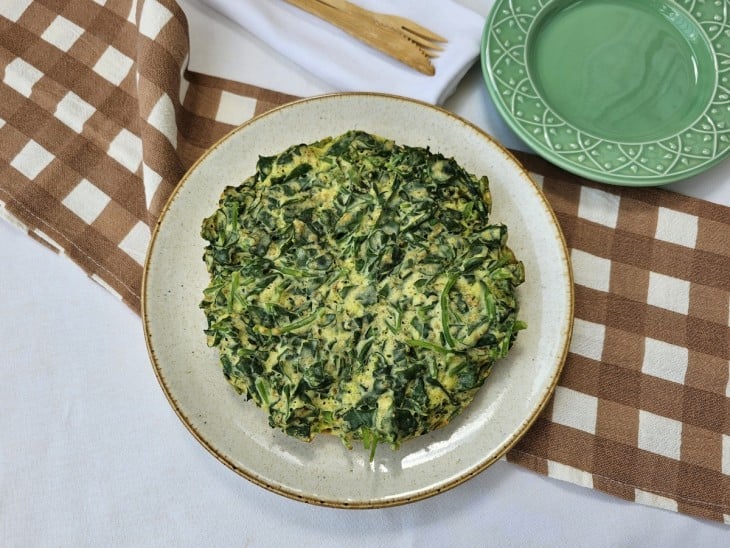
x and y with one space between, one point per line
383 32
427 39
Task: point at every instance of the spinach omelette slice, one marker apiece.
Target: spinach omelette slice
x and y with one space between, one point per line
358 288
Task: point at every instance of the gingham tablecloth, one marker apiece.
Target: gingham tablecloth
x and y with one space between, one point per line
99 118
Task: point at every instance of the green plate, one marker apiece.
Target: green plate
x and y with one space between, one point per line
630 92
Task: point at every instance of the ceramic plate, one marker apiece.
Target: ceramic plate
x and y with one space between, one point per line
632 92
323 471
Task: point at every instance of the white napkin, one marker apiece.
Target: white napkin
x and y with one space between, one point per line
349 65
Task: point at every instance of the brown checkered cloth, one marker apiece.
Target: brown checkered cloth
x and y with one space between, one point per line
99 118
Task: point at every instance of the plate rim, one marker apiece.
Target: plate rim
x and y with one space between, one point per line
392 501
558 158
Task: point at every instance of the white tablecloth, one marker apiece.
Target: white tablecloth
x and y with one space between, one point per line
91 454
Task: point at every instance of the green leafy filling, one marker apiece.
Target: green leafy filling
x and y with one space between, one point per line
358 288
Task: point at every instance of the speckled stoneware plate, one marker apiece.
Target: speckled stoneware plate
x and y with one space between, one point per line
324 472
630 92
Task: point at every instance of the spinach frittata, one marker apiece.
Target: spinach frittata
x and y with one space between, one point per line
358 288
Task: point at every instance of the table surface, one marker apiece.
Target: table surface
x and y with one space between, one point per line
92 453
